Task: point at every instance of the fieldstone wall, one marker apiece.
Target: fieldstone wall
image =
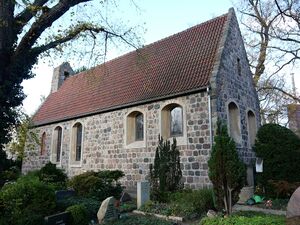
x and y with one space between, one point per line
232 82
104 145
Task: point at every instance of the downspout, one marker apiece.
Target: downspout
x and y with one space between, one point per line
209 116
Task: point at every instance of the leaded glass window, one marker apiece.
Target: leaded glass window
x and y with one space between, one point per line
78 142
176 121
58 143
139 127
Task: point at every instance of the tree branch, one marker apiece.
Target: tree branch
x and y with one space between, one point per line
42 23
282 91
73 33
27 14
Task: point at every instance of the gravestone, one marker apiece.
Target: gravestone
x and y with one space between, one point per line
62 194
293 209
58 219
125 197
143 193
107 210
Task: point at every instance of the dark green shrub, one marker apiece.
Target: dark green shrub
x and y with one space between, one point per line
113 175
226 171
99 185
199 201
79 215
279 147
92 205
26 202
165 174
52 175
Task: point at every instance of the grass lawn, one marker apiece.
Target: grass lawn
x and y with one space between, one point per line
245 218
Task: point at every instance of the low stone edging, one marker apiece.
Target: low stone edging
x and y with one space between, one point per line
172 218
238 207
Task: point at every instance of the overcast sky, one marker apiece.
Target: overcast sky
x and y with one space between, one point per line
162 18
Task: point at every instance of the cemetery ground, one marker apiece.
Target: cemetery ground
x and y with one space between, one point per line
32 198
48 197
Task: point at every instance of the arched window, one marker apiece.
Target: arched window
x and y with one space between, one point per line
76 150
234 122
43 144
134 127
172 121
251 128
56 144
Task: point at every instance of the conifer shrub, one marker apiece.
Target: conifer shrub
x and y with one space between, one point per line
226 171
165 174
279 148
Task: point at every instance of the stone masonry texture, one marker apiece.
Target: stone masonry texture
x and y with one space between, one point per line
104 143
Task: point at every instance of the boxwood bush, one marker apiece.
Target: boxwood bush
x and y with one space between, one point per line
98 185
52 175
26 202
279 147
79 214
92 205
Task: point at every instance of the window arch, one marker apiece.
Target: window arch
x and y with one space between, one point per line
43 144
57 145
251 128
172 121
76 145
234 122
134 127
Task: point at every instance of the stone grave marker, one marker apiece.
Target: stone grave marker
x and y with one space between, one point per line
125 197
107 210
293 209
62 194
143 193
58 219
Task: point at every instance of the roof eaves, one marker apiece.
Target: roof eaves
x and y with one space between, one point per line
118 107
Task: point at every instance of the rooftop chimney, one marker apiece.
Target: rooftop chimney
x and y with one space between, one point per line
60 74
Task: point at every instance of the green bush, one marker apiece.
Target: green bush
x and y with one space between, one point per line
279 147
11 174
79 215
187 203
248 218
26 202
52 175
99 185
198 201
92 205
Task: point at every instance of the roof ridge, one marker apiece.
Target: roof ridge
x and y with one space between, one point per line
153 43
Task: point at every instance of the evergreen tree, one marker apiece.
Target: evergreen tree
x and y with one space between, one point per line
165 175
226 171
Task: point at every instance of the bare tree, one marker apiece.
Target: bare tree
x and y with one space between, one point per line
272 42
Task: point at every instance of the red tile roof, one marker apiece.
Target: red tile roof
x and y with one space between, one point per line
176 64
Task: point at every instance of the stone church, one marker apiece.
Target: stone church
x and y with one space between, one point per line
110 117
